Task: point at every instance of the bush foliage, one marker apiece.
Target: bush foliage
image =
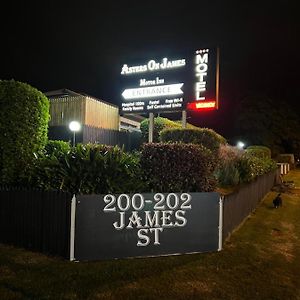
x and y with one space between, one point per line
24 116
159 124
251 167
227 173
177 167
259 151
237 166
87 169
57 148
201 136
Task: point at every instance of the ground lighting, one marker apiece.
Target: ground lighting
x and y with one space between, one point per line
74 126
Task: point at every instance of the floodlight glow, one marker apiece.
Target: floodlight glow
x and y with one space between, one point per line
240 145
74 126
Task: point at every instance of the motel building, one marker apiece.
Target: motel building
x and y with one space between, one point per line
100 120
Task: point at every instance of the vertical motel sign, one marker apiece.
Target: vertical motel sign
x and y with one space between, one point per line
186 80
206 73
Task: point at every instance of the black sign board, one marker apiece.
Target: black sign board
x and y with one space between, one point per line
165 84
140 225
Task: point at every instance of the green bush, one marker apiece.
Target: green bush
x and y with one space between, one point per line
237 166
177 167
87 169
159 124
202 136
227 172
251 167
24 116
259 151
57 148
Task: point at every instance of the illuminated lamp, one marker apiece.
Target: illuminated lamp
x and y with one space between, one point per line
240 145
74 127
202 105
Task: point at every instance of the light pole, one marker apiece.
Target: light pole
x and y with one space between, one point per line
74 126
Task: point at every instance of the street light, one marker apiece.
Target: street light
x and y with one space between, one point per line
240 145
74 126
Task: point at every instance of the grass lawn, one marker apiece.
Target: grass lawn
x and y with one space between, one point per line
261 261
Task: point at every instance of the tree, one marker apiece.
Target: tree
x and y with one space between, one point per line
263 121
24 116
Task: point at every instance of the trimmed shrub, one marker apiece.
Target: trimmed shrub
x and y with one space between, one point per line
24 116
159 124
177 167
87 169
259 151
227 173
202 136
238 166
251 167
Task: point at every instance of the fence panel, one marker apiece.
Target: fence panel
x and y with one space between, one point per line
36 220
238 205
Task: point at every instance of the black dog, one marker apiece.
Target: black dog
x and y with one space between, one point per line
277 201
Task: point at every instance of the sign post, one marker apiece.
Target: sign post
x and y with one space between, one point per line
184 119
151 127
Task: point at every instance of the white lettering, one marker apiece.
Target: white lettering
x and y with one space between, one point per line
142 235
134 220
156 235
202 59
155 91
152 221
166 216
179 214
201 71
122 222
152 65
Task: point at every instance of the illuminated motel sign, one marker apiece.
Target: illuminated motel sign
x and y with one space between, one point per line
187 81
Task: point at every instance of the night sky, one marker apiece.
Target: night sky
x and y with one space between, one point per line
80 46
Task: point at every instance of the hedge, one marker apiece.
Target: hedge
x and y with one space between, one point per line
24 116
259 151
251 167
159 125
201 136
237 166
177 167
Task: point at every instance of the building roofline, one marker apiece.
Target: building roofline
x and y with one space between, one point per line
60 93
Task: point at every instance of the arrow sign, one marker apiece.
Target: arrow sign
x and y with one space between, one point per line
153 91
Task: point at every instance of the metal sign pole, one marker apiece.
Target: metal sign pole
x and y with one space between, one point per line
184 119
151 127
221 207
72 229
217 77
